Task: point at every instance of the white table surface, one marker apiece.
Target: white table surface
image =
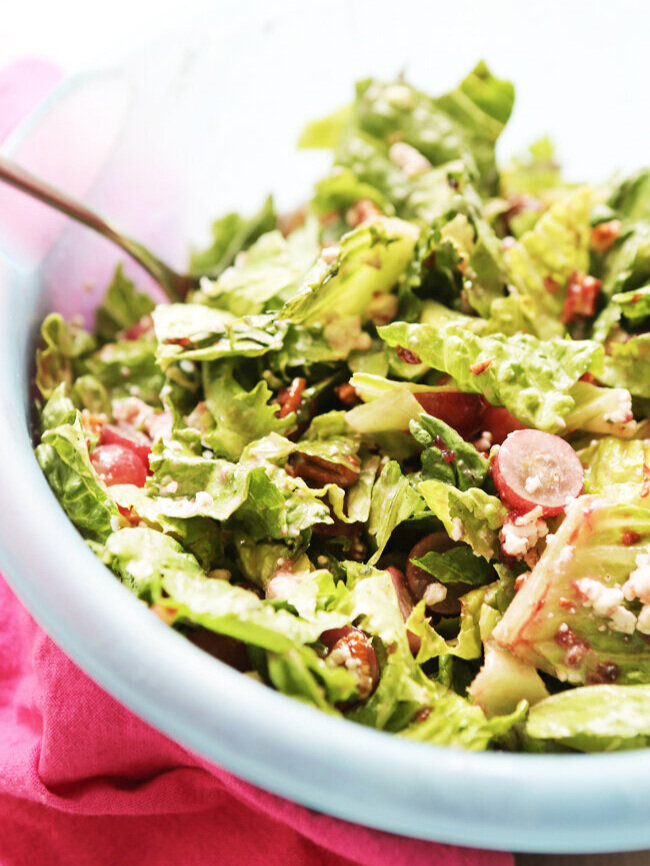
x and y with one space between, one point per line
77 34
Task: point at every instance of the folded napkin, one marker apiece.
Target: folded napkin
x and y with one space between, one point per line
83 781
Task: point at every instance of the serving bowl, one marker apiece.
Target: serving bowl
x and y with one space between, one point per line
207 121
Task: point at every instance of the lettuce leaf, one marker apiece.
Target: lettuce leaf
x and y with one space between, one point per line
123 306
628 365
230 235
63 457
240 416
196 332
370 260
600 538
557 246
446 455
473 515
128 368
65 344
634 305
268 273
393 501
594 718
614 466
530 377
458 565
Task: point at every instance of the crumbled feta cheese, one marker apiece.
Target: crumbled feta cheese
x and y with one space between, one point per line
170 487
434 594
638 583
115 522
282 585
132 411
187 366
532 484
607 602
330 254
457 529
623 620
208 454
203 499
643 621
520 534
410 160
604 600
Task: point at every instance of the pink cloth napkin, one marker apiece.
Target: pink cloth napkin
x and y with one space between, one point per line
83 781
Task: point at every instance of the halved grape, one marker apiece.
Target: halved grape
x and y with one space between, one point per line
419 579
136 442
405 602
463 412
499 423
116 464
533 468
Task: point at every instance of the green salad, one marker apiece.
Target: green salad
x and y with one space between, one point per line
392 459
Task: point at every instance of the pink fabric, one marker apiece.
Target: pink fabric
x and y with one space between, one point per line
84 781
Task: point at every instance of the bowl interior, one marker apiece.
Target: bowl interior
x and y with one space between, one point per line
207 121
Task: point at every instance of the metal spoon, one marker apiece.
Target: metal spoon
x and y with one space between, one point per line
175 285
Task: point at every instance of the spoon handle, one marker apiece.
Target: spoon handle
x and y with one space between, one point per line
174 284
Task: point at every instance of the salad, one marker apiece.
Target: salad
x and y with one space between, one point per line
392 458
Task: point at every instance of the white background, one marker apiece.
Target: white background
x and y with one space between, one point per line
78 34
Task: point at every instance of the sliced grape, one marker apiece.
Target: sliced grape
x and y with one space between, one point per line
116 464
405 601
463 412
500 423
419 579
136 442
533 468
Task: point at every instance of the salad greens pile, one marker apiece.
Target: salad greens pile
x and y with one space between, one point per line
393 458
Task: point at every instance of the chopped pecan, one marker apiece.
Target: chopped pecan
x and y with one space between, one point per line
361 212
320 471
407 356
290 398
347 394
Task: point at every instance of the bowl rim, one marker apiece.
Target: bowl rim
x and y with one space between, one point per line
524 802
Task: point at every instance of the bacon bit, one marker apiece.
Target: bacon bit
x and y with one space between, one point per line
407 356
521 580
630 537
289 222
606 672
93 423
589 378
645 486
462 264
291 397
552 286
567 604
128 514
423 715
604 234
166 614
481 366
178 341
328 219
139 329
361 212
347 394
582 294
